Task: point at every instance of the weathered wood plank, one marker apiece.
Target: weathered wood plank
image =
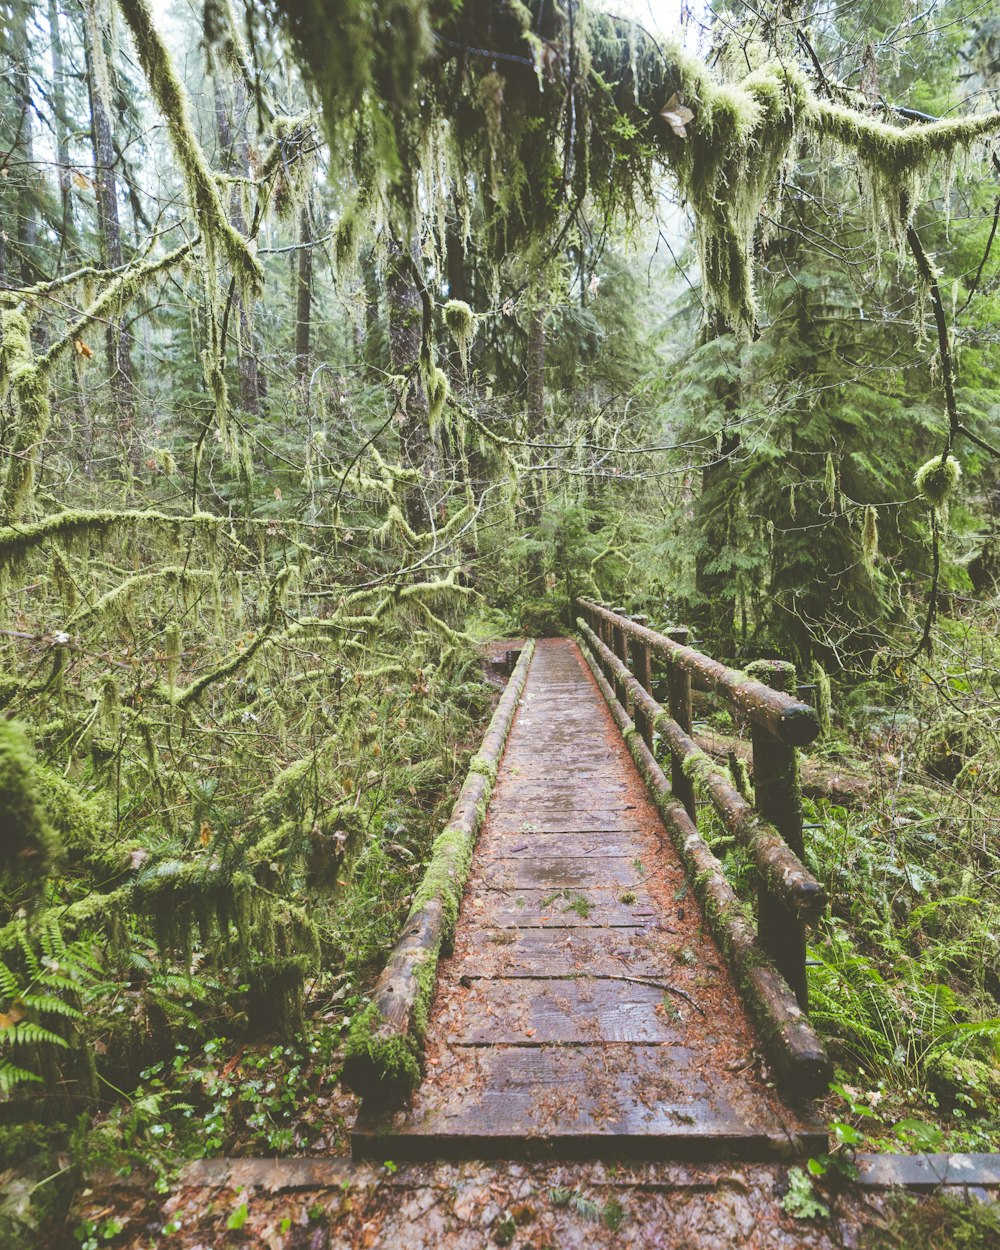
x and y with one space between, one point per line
511 952
560 872
593 844
642 1100
562 1010
595 906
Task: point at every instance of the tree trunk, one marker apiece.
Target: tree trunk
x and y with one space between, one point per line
108 222
405 339
303 296
69 240
27 218
536 429
234 156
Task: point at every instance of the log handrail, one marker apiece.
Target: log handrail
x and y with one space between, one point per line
782 715
778 866
786 1033
788 895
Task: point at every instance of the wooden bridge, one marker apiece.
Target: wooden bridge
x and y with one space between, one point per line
604 991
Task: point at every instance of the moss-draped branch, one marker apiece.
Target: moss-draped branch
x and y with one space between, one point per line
573 112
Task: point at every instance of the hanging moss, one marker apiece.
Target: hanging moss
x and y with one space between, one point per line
289 162
830 481
869 540
823 699
172 100
937 479
27 843
895 161
461 323
437 396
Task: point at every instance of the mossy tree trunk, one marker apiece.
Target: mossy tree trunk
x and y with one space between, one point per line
303 295
713 614
234 156
535 411
406 314
119 355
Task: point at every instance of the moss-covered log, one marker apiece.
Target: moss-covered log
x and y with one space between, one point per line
790 1042
385 1044
780 869
787 718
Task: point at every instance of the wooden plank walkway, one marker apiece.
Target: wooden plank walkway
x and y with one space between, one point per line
585 1011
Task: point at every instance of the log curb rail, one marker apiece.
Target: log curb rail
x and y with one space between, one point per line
384 1051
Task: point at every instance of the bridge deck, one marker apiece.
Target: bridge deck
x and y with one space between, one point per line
585 1010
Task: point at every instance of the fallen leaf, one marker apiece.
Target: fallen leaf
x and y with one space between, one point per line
82 349
676 114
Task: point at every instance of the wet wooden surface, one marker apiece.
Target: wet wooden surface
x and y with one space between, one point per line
585 1010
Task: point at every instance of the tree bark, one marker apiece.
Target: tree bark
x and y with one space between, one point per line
303 296
109 225
70 242
536 428
406 314
234 156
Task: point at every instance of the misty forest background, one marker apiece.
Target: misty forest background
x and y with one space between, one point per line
276 459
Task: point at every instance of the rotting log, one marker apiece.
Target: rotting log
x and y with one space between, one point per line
777 865
790 1042
786 717
384 1051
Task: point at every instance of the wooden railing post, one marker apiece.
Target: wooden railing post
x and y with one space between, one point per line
619 646
779 800
643 670
679 687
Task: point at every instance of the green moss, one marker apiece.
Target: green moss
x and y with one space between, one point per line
172 100
446 875
698 766
894 161
461 323
437 396
27 842
937 479
288 164
823 698
484 767
20 373
395 1060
